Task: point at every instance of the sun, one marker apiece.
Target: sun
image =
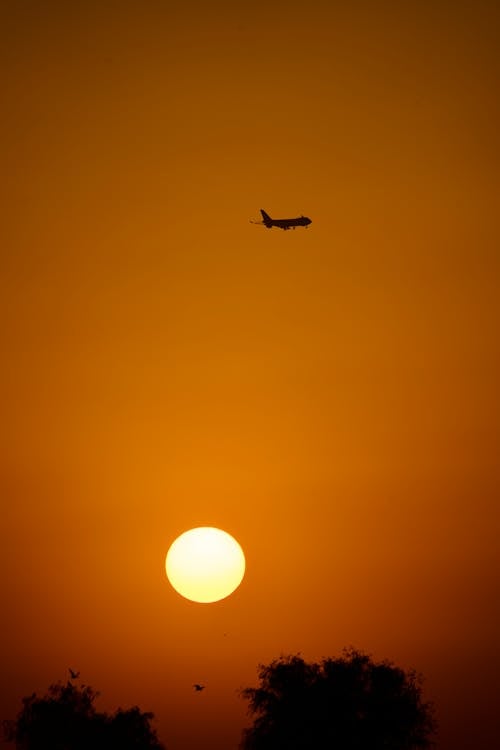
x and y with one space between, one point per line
205 564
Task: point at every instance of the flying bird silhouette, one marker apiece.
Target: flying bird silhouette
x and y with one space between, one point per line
198 687
74 675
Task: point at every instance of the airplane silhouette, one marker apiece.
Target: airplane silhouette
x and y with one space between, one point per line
198 687
74 675
300 221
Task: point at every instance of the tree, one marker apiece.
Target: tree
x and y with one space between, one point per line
347 703
66 719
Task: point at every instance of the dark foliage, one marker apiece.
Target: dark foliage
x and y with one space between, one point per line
66 719
348 703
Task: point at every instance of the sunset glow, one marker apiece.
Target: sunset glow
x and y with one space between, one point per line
328 394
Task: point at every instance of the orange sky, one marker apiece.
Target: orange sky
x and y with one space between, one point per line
329 396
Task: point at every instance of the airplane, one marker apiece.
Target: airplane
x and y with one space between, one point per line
198 687
300 221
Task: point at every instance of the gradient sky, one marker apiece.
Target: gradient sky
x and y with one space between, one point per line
329 396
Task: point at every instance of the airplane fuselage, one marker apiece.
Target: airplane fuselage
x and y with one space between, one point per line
300 221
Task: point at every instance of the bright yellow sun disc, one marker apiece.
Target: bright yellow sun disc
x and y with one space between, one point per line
205 564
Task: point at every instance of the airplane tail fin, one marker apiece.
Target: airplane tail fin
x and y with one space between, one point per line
265 217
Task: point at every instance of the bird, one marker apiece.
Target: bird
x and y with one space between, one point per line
74 675
198 687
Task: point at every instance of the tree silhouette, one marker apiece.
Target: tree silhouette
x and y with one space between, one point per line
66 719
348 703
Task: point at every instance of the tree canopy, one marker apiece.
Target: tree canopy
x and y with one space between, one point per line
346 703
66 719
